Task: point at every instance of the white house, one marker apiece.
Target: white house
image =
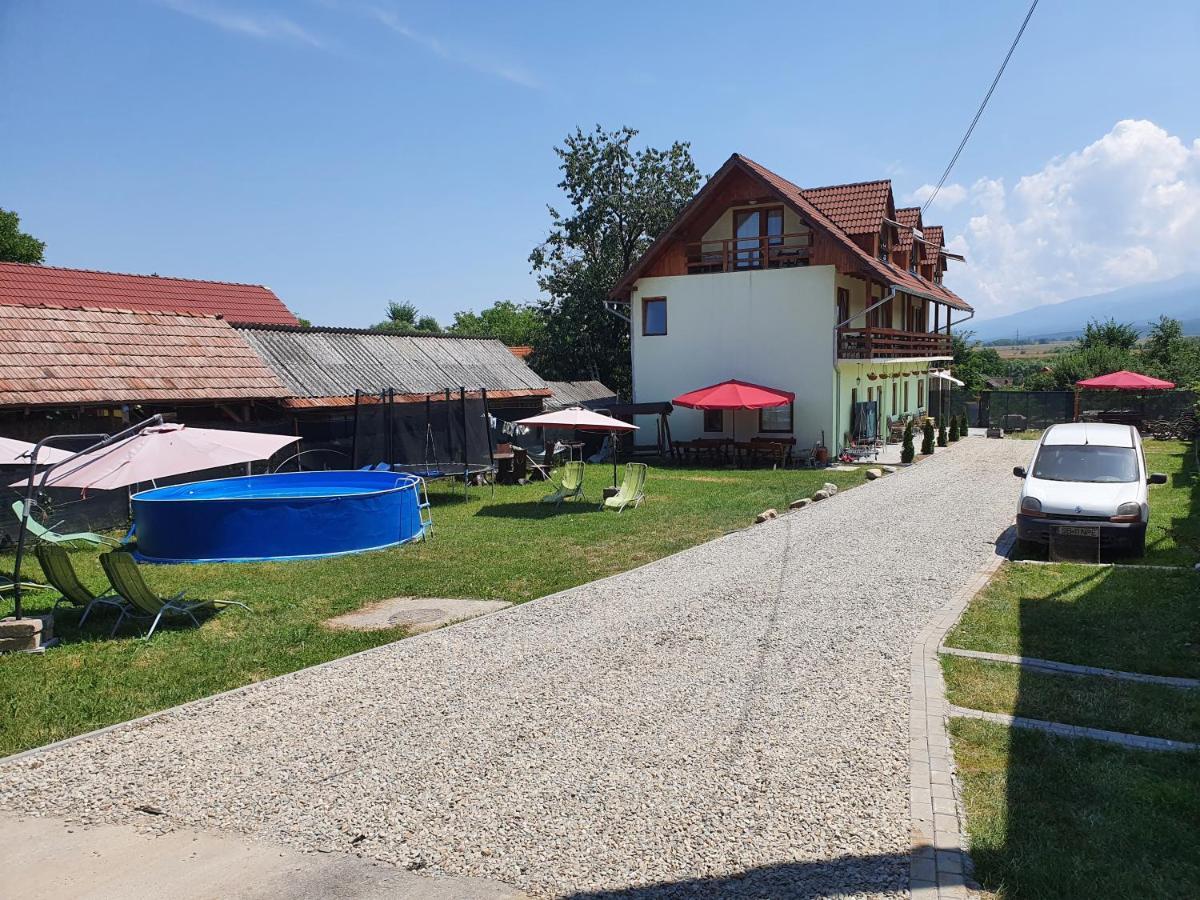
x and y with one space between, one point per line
831 293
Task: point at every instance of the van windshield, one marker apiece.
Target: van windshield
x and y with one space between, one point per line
1091 463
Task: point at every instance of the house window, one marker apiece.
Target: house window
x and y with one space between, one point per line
895 408
884 249
714 420
921 394
752 228
843 305
654 315
906 406
775 419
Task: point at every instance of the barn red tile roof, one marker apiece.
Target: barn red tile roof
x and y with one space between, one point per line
55 357
856 208
816 216
910 218
25 285
935 239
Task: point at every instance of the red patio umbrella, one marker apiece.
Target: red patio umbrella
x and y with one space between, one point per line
580 419
735 394
1125 381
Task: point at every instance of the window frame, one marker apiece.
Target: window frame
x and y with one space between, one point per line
791 422
842 304
704 424
646 301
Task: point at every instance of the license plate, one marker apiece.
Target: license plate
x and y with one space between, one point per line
1079 531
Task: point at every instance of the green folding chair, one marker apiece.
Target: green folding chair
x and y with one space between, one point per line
7 585
633 488
60 572
570 486
126 578
50 536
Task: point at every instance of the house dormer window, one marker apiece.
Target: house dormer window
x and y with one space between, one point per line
884 249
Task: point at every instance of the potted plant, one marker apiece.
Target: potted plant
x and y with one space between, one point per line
953 429
906 449
942 432
927 439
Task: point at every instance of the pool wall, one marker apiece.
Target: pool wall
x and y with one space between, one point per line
287 516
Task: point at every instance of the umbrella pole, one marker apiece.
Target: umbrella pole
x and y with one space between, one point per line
614 456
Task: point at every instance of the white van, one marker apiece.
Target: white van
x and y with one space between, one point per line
1087 480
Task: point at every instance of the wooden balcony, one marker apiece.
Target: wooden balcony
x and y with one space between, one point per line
889 343
779 251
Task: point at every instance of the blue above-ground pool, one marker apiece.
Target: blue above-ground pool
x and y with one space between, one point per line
294 515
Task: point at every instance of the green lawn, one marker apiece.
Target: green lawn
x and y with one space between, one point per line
1129 707
506 547
1173 532
1054 817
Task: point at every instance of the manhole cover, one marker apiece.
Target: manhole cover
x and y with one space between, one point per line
417 616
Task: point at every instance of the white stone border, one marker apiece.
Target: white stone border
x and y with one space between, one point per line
940 867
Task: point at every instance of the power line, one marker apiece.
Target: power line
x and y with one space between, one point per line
982 107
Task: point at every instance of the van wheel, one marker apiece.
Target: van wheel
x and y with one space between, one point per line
1138 548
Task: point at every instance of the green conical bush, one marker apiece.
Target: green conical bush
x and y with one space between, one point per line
906 449
927 438
953 428
942 432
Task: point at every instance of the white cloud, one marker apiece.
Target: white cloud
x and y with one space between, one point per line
472 59
1123 210
947 198
265 26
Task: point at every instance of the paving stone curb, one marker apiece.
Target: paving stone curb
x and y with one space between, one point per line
1132 741
940 867
1061 668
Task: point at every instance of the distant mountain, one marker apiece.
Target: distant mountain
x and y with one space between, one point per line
1140 305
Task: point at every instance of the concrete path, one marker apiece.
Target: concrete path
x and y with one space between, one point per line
729 721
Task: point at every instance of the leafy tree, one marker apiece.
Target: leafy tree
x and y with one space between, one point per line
620 200
1168 354
927 438
1109 334
304 323
941 439
403 318
973 362
906 449
953 429
16 245
516 324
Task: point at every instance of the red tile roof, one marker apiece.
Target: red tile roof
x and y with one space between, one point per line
55 357
935 240
25 285
797 197
910 218
856 208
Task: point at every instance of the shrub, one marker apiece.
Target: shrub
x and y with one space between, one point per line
942 432
953 428
927 438
962 425
906 449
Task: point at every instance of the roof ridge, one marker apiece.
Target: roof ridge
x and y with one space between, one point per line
828 187
115 309
43 267
346 329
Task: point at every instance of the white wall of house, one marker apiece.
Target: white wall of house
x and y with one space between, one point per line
772 327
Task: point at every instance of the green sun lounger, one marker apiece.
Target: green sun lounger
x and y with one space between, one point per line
143 603
7 585
633 488
570 486
56 564
42 533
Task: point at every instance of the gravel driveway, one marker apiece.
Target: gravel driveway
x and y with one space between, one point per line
731 721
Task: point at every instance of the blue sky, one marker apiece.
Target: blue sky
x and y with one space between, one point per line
349 153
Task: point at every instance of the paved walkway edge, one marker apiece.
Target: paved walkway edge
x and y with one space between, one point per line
1061 668
940 866
1131 741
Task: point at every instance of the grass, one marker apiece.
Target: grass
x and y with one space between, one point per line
1173 532
1053 817
509 547
1118 618
1129 707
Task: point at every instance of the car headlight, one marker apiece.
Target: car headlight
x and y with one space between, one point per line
1031 506
1127 512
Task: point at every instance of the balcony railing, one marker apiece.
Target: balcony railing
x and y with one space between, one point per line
779 251
889 343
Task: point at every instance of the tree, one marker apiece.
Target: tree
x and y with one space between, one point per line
906 449
403 318
942 440
620 201
1168 354
515 324
927 439
1109 334
973 362
16 245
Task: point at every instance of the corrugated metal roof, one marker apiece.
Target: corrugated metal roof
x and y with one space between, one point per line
27 285
590 394
334 363
54 357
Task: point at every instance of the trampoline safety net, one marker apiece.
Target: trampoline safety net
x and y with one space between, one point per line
441 435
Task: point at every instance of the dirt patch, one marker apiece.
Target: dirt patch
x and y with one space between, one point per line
416 614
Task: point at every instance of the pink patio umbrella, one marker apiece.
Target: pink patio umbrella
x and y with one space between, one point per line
580 419
162 451
18 453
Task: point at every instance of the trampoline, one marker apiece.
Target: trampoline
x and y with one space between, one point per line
284 516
